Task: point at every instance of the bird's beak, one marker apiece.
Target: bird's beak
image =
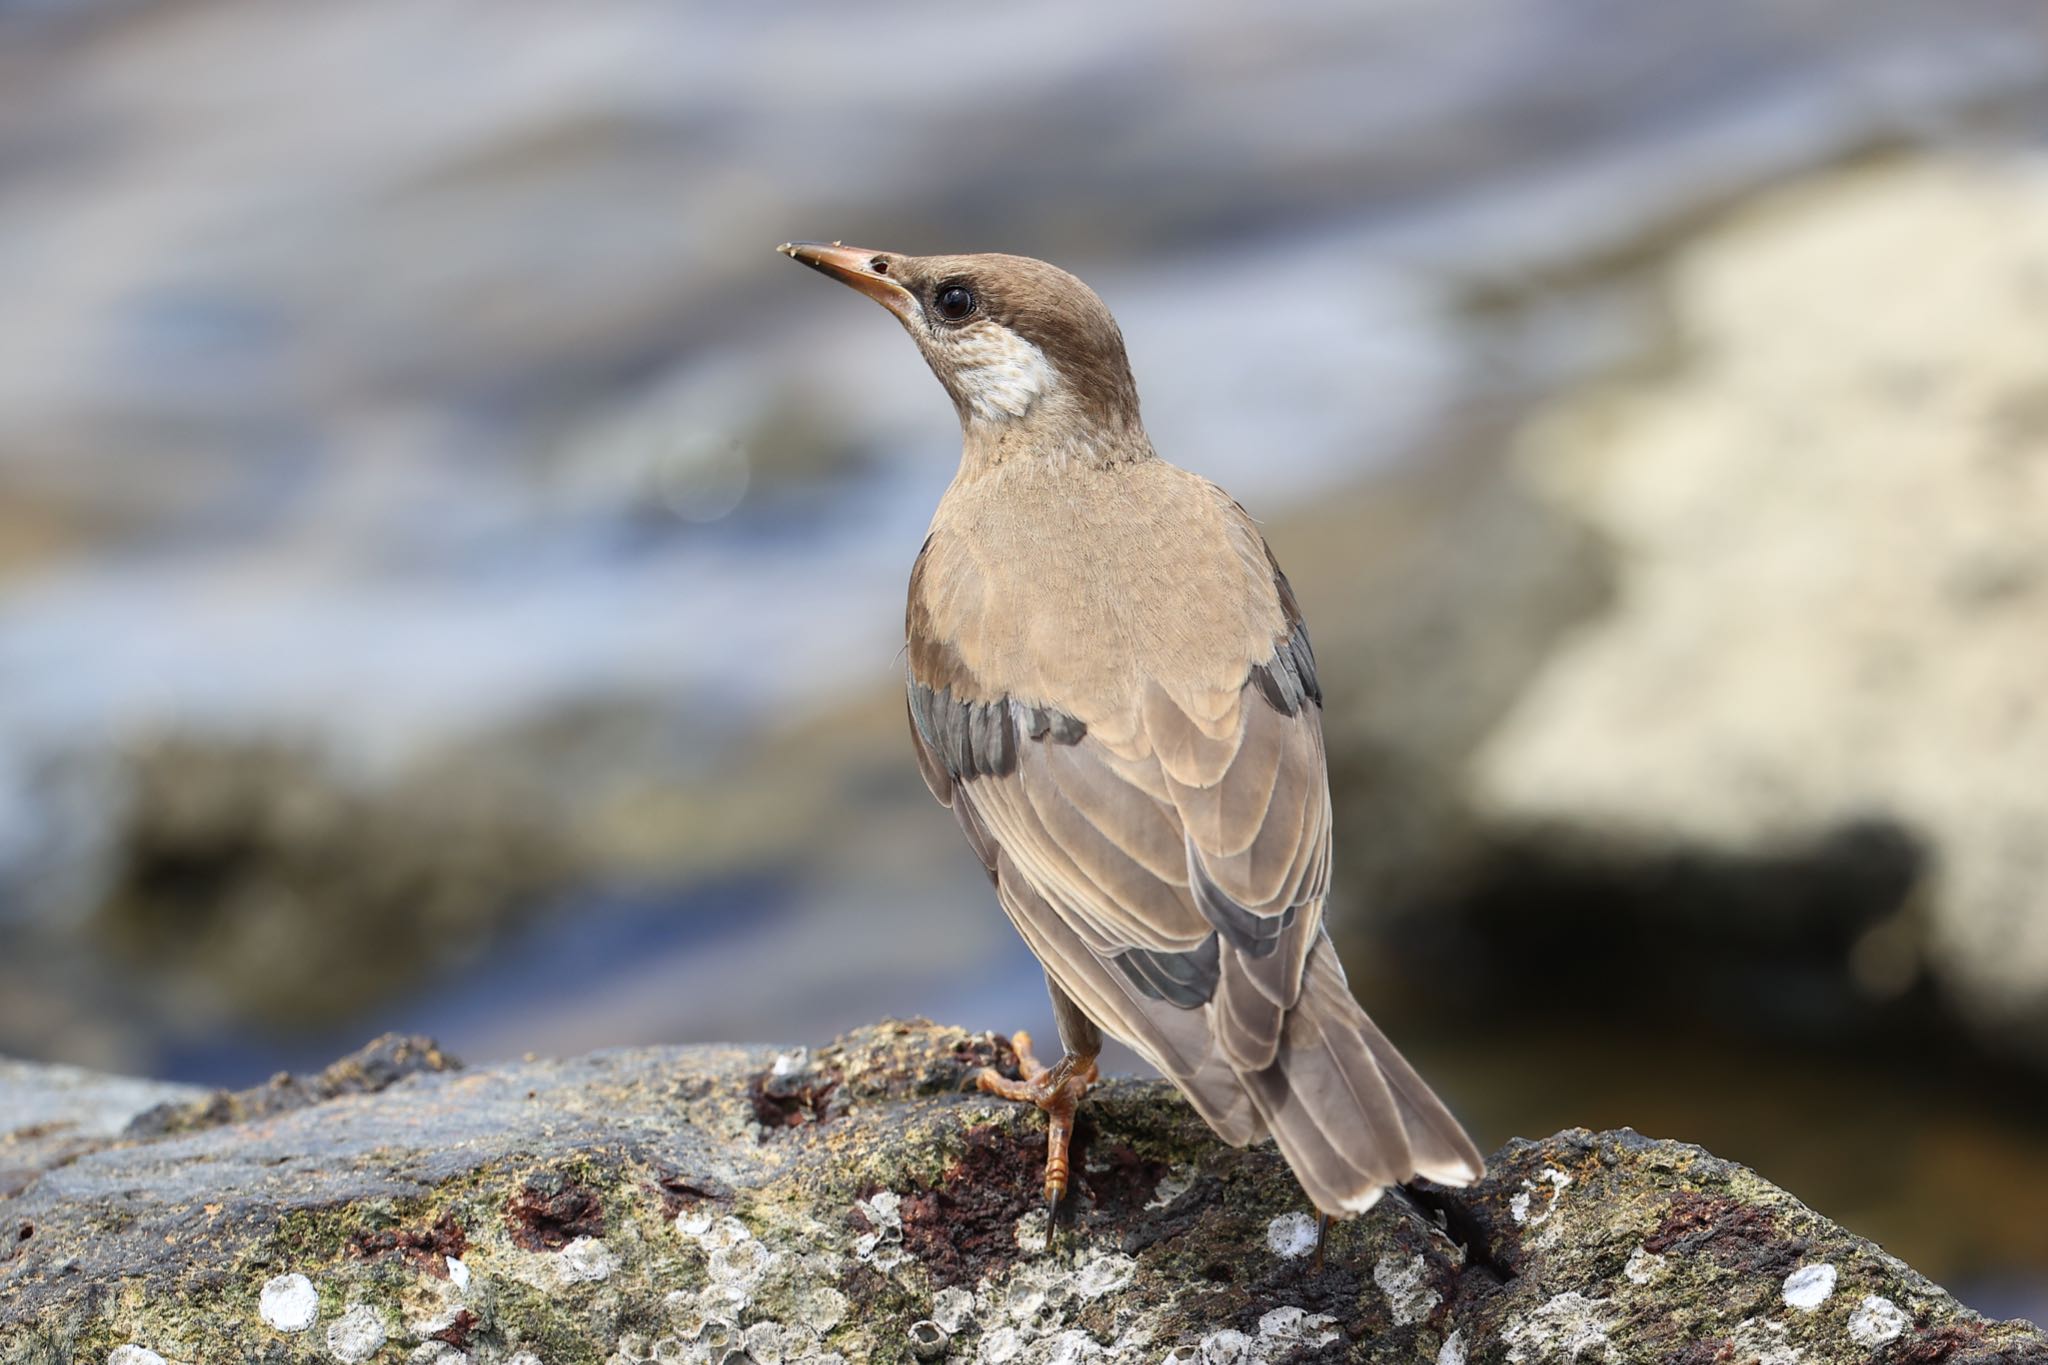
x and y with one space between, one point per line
867 271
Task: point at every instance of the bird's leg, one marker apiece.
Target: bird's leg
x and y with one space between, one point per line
1058 1090
1322 1234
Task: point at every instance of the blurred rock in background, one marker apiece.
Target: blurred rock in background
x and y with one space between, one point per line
1830 525
451 570
252 880
1765 804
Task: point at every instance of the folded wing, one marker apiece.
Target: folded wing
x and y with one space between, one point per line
1173 887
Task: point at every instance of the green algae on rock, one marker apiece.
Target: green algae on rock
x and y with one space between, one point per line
668 1205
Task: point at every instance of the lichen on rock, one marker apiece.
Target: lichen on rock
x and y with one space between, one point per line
634 1206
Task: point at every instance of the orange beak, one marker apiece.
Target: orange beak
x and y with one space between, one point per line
867 271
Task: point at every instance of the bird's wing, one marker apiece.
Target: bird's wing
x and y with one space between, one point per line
1173 883
1192 873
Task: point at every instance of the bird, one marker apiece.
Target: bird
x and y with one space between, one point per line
1110 684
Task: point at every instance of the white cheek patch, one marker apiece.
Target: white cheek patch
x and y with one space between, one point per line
1000 374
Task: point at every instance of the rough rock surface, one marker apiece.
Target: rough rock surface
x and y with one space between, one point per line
49 1113
1829 517
380 1063
853 1203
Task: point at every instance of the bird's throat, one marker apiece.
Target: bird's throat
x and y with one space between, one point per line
1055 435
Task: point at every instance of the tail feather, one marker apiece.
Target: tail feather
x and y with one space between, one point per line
1440 1147
1249 1028
1335 1120
1349 1113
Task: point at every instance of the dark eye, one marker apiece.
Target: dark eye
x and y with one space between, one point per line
955 302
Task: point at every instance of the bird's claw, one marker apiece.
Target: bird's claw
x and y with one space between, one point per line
1058 1090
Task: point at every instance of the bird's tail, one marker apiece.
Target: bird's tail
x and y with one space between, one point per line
1350 1115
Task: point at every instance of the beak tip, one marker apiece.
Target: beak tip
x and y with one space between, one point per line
796 251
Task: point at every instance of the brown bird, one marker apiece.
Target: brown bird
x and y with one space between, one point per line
1111 686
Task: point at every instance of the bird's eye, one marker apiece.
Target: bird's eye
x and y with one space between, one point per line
955 302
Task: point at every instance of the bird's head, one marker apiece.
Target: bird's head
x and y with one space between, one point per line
1023 347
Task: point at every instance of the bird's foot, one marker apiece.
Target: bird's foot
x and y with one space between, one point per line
1058 1090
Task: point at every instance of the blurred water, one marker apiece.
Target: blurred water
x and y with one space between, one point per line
386 417
723 962
394 375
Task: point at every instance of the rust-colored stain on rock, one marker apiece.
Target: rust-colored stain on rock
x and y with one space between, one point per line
550 1211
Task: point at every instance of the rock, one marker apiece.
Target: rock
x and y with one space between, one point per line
53 1111
381 1062
1423 645
264 876
1829 521
887 1223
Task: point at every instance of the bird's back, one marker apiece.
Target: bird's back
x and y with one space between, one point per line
1085 586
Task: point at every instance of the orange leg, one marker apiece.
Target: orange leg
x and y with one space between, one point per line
1058 1090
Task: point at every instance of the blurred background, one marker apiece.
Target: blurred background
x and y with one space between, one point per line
451 569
